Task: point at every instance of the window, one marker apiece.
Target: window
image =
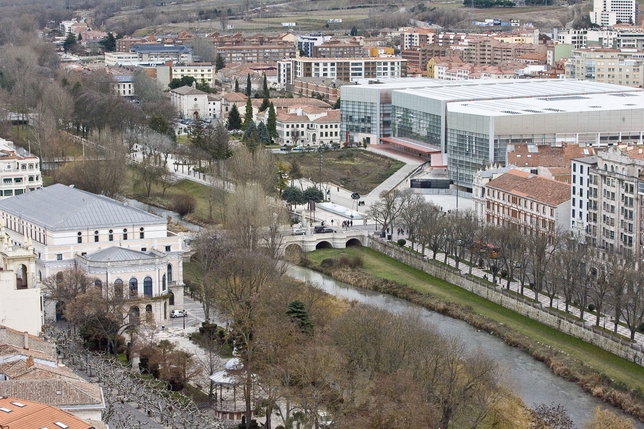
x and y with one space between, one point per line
168 248
79 239
110 237
124 233
147 286
141 233
59 256
95 236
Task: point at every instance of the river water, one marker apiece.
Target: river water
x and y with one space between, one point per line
529 379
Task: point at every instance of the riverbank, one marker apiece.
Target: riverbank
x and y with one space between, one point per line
600 373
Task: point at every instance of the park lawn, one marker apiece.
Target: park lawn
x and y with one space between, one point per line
354 169
134 189
379 265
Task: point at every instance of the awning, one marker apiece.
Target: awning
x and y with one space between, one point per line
410 145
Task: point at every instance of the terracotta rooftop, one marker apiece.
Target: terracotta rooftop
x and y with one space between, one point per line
539 189
529 155
20 413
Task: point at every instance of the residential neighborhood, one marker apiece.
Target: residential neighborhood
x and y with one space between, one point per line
321 215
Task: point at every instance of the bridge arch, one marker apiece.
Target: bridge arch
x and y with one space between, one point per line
323 245
354 242
293 252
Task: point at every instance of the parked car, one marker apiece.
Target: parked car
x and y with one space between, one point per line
178 313
322 229
299 231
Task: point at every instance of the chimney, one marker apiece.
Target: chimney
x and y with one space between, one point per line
26 340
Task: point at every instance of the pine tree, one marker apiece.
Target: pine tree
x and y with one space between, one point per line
248 86
297 311
248 114
220 143
109 42
198 135
236 85
220 63
271 122
262 133
234 120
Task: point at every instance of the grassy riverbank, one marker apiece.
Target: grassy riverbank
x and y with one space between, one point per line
599 372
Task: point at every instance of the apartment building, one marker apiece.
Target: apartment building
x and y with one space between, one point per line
19 170
528 202
305 43
579 193
412 37
614 66
256 53
339 50
201 72
346 69
150 54
327 89
613 201
609 12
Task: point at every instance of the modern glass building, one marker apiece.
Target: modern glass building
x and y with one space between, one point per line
366 107
473 122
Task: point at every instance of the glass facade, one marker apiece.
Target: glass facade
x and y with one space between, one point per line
357 117
468 153
417 125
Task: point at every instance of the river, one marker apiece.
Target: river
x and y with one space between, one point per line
529 379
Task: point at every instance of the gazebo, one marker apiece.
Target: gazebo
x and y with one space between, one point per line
230 378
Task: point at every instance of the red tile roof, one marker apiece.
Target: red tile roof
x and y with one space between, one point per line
539 189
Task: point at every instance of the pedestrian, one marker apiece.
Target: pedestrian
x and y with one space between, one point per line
338 189
331 222
351 222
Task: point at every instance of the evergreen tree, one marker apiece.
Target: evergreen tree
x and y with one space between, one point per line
234 119
262 133
354 31
236 85
248 114
80 37
220 148
313 194
297 311
336 105
198 135
267 93
69 42
184 81
271 122
250 139
220 63
248 86
265 103
293 196
109 43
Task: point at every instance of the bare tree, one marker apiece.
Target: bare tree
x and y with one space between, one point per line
632 307
387 209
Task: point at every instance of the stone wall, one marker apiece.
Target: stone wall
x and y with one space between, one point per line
498 295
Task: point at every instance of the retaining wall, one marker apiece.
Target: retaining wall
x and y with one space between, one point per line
532 310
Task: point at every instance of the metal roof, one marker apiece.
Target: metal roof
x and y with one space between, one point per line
116 253
59 207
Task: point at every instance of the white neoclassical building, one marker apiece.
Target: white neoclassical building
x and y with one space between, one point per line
120 246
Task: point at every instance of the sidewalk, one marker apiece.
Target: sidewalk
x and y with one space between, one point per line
557 303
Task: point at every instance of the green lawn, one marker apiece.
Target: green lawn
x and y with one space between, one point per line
379 265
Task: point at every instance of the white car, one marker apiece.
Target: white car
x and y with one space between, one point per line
178 313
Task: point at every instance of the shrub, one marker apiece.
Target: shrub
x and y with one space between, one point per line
402 242
328 263
591 307
356 262
184 204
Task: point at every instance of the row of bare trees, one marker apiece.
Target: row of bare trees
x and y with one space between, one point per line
559 265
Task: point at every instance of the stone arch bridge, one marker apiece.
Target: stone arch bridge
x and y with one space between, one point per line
336 240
